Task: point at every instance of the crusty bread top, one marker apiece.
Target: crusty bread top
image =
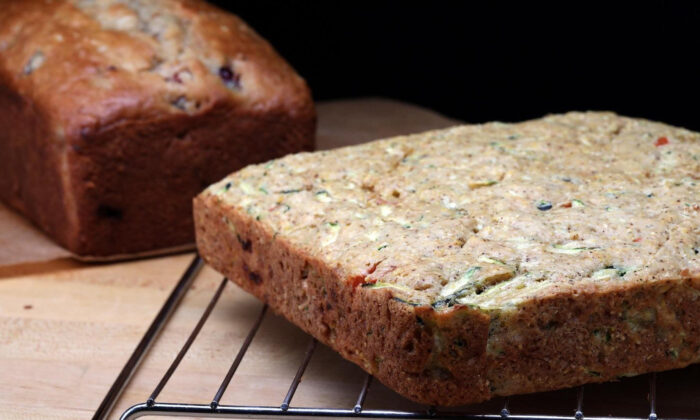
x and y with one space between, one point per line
93 62
490 215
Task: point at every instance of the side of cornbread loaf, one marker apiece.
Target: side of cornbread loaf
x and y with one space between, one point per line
484 260
114 114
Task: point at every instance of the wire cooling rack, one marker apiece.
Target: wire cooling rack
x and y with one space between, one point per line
213 409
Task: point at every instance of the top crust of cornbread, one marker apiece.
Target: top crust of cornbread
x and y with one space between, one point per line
491 215
480 260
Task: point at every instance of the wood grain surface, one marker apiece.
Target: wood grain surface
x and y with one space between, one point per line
66 329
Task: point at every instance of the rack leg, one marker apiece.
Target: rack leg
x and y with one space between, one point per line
148 338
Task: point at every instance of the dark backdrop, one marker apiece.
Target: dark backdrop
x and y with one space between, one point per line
495 60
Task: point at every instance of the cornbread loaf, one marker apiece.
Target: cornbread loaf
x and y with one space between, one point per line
114 114
478 261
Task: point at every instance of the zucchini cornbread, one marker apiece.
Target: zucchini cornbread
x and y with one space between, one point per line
478 261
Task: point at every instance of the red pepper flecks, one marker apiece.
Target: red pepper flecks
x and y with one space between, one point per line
357 280
362 278
637 240
373 267
661 141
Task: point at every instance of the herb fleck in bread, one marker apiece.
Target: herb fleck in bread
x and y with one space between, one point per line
114 114
482 260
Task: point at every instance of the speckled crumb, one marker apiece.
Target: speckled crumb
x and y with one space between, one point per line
482 260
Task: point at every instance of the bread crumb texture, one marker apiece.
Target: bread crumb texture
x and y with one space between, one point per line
485 259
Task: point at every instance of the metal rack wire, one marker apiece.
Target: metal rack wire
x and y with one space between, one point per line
216 410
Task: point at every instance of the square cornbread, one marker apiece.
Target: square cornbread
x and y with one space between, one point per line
481 260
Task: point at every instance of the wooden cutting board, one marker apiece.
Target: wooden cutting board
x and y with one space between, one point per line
66 328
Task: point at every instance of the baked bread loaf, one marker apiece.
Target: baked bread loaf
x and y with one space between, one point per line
114 114
478 261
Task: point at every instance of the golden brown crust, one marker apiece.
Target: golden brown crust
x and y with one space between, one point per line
384 336
462 356
117 114
452 291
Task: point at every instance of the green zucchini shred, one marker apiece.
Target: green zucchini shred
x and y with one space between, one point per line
561 249
461 285
382 285
407 302
491 260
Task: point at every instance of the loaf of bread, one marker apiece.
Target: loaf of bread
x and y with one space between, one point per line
478 261
114 114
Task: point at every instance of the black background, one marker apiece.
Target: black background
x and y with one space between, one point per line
495 60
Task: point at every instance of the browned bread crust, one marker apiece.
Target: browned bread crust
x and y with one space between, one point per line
356 246
113 115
